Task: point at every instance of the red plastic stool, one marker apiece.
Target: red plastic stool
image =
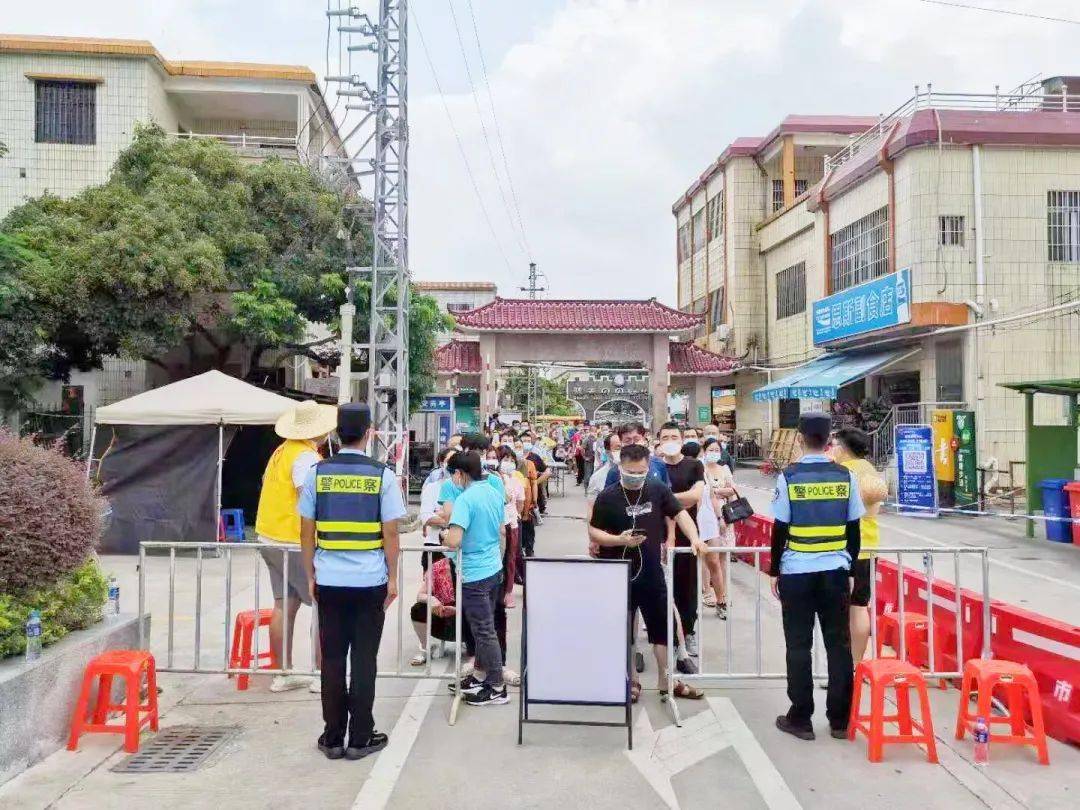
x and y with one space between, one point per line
246 625
1019 684
882 673
129 665
888 634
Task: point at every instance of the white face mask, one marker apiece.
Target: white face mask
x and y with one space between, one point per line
491 463
713 457
507 466
671 448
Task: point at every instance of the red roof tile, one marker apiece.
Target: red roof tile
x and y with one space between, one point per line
527 315
687 359
458 357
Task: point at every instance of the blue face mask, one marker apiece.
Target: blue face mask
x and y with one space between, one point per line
528 446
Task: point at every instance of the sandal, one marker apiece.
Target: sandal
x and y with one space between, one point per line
419 659
683 690
635 691
709 600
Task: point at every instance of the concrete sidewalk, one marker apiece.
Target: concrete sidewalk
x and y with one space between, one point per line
727 752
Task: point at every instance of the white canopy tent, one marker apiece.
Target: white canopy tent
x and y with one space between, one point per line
212 398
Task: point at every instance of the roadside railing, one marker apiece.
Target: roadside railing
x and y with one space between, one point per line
953 631
220 663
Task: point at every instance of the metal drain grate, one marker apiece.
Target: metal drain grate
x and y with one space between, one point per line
176 750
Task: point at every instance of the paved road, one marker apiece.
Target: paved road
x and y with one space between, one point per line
726 753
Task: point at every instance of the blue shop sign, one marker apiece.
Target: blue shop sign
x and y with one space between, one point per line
916 490
876 304
437 404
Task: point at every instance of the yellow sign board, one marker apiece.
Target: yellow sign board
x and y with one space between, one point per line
941 422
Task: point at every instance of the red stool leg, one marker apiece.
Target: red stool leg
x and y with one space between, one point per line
151 693
1037 729
927 724
131 708
78 719
856 702
877 722
104 695
245 658
903 709
1016 709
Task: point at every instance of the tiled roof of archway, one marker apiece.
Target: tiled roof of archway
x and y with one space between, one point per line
599 315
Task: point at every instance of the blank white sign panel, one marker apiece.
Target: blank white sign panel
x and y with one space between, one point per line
576 634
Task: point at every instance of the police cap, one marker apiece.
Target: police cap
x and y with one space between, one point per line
353 421
818 425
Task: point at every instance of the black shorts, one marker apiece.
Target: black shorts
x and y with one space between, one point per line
651 599
860 592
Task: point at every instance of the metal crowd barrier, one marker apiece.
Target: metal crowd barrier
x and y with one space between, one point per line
931 671
290 556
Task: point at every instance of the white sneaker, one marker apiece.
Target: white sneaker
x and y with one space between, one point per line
691 644
511 678
286 683
315 687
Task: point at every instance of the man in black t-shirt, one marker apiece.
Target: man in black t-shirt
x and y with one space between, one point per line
687 476
629 521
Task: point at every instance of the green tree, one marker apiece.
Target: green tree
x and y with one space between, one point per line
184 244
549 396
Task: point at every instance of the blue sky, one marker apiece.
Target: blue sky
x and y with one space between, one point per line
608 108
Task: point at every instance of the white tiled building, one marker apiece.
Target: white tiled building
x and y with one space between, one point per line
918 193
69 105
457 296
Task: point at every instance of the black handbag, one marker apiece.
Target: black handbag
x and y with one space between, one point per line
736 510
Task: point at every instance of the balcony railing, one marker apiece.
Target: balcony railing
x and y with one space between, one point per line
1020 101
268 144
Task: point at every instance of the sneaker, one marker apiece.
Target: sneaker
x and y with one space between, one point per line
802 732
331 751
511 678
315 687
721 611
376 742
286 683
468 685
838 733
686 666
487 696
691 644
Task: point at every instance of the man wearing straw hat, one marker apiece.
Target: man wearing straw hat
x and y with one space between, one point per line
303 428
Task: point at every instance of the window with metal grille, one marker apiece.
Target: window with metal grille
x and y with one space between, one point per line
951 231
699 308
791 291
714 216
684 242
697 231
459 307
716 309
65 112
801 186
777 195
1063 225
860 251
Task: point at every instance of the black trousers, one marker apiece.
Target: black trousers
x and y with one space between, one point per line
350 629
684 589
528 538
824 594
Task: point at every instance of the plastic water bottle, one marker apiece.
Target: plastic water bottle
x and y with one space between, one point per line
33 636
982 742
114 598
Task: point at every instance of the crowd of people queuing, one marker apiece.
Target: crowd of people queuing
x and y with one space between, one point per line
486 496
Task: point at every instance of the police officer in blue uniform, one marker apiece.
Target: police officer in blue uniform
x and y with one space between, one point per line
349 511
816 511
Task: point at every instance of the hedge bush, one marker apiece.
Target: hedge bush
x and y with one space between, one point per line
50 523
73 603
50 517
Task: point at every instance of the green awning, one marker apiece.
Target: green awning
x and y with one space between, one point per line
1063 388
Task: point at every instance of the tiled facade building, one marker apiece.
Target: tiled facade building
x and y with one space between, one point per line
969 203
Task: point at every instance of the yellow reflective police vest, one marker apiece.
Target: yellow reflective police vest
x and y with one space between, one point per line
819 495
348 503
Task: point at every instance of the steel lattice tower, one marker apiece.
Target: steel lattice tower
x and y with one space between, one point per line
388 337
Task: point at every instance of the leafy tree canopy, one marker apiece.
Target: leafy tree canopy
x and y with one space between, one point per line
184 239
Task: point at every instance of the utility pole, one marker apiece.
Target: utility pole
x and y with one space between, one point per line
388 336
532 381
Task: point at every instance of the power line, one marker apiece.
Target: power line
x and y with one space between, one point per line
457 138
483 125
498 131
1008 12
